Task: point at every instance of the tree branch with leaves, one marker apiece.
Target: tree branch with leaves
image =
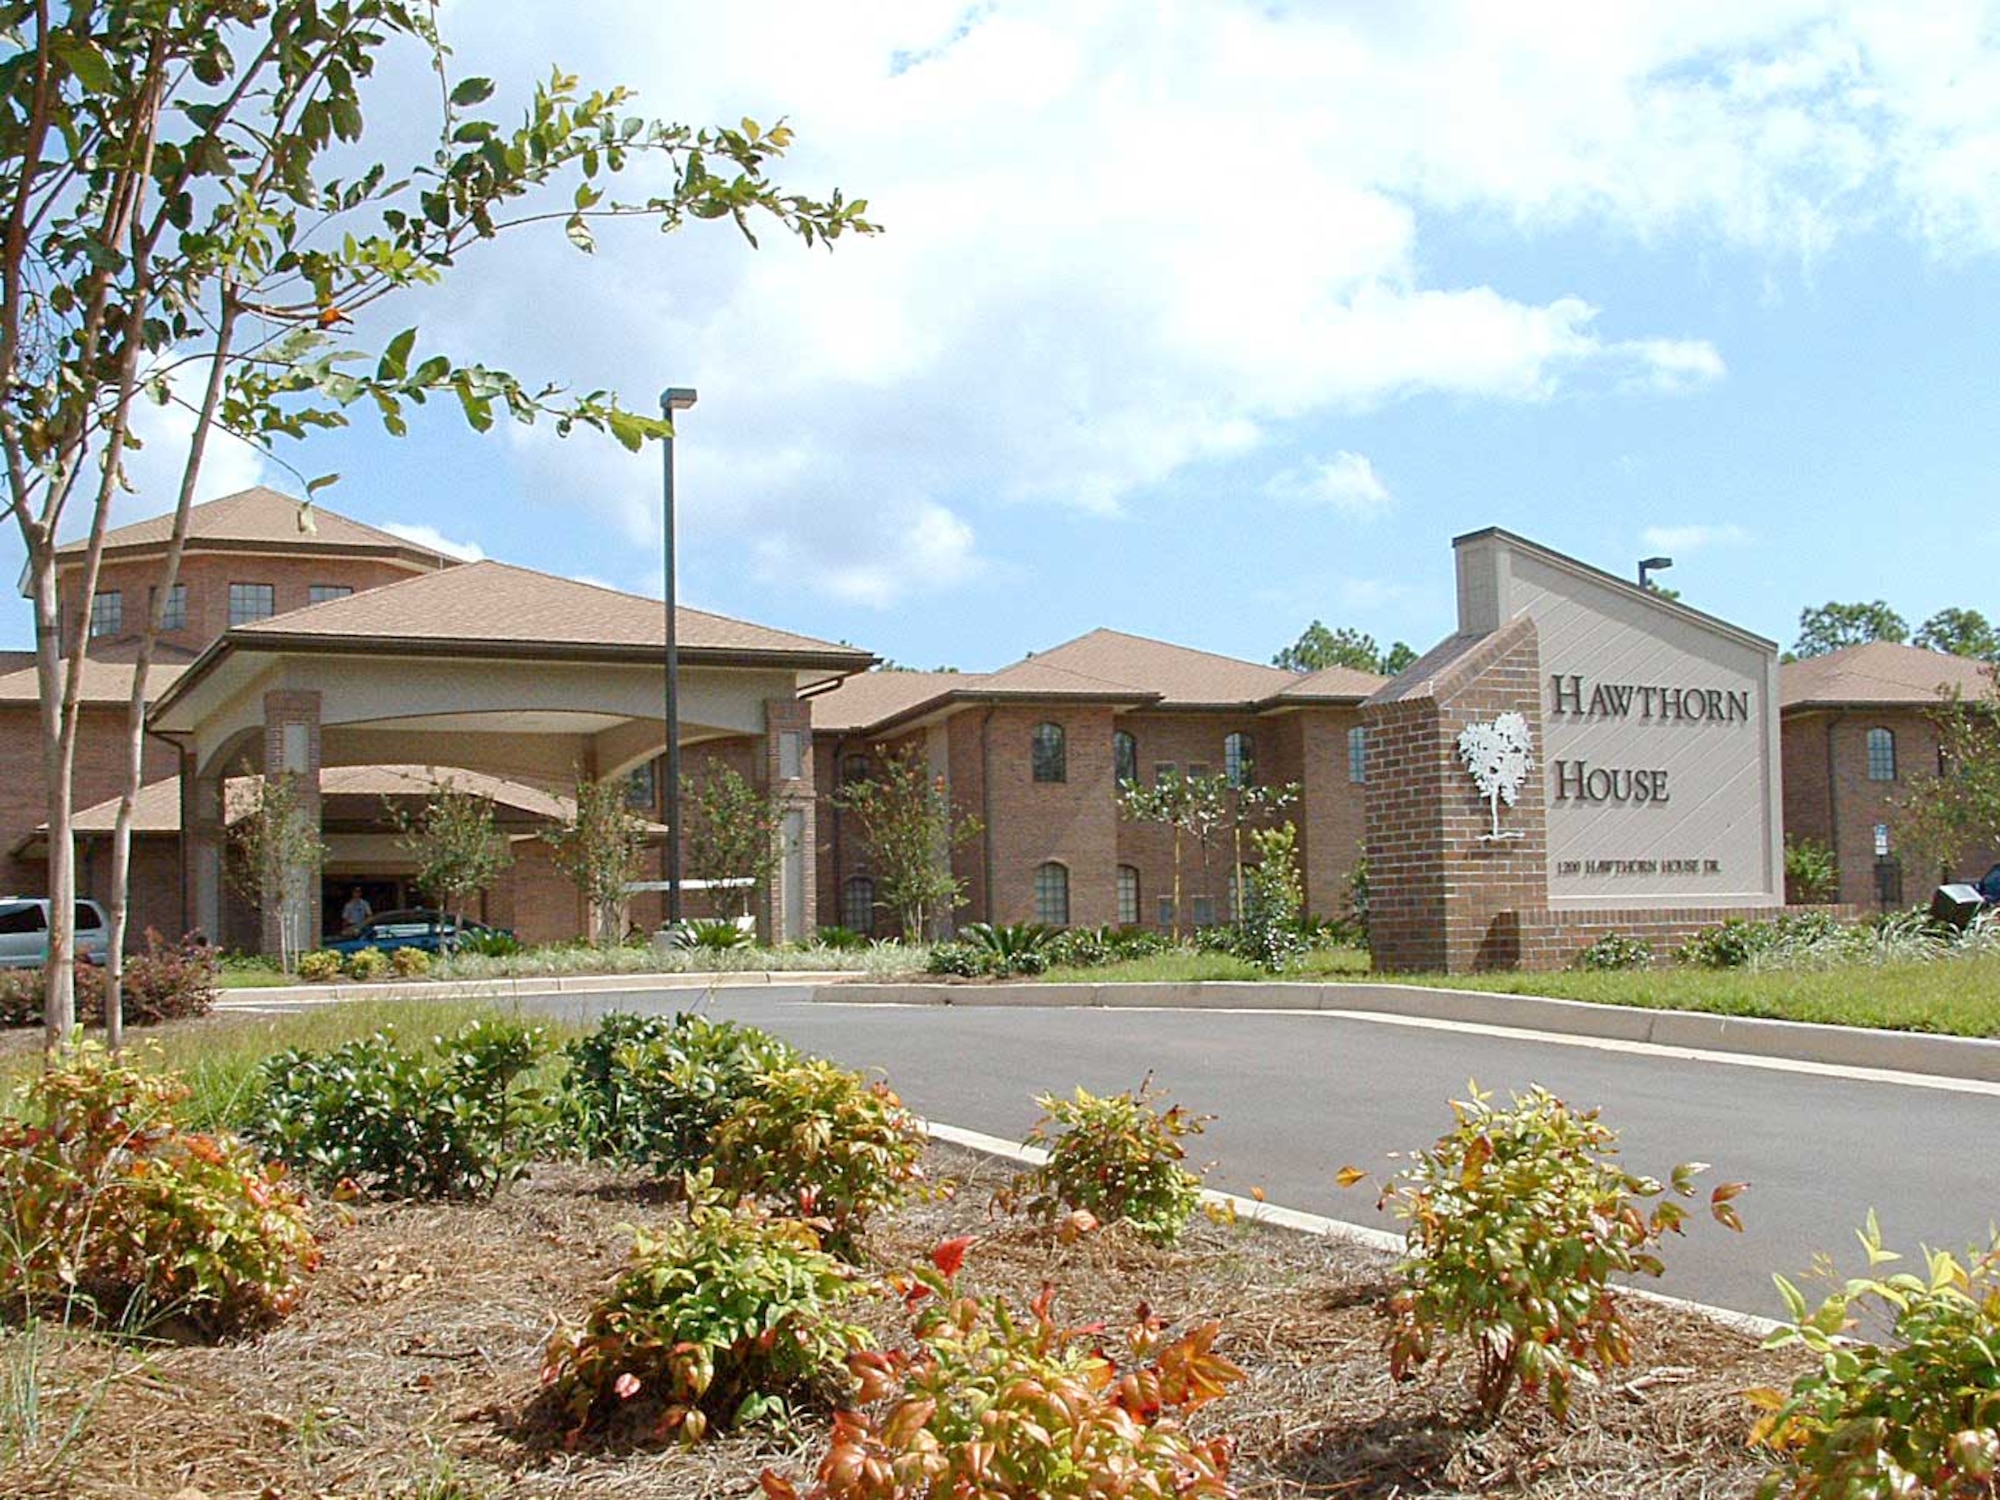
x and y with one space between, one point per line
169 212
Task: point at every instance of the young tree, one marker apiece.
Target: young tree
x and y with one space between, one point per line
1274 896
1960 632
173 228
1318 648
733 834
1942 814
1196 808
458 850
910 829
276 855
1831 627
600 848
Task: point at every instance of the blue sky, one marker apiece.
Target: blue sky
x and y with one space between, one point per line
1204 320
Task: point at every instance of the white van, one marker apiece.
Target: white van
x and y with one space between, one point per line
24 932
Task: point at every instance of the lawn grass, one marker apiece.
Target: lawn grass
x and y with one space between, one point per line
252 979
1948 996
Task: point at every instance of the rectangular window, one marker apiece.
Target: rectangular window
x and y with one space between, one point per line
1128 895
107 614
250 602
1357 755
319 593
1881 754
1198 769
791 755
175 615
1164 908
1202 909
641 788
25 916
1164 771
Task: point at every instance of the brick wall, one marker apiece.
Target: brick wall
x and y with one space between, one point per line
1332 814
1441 894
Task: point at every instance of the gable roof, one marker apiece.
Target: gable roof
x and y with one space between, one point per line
870 698
1333 685
1880 673
260 520
1180 675
511 609
103 682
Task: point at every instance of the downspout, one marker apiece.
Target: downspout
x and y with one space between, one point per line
1833 811
839 882
986 814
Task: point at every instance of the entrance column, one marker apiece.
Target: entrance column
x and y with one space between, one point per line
202 845
291 747
789 903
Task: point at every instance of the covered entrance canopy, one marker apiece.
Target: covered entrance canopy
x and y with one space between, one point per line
498 670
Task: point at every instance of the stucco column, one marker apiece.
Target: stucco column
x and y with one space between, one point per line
791 899
202 851
291 745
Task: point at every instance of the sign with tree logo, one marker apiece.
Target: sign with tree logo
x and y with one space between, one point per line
1498 755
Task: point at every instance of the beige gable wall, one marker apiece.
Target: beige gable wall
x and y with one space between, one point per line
1723 806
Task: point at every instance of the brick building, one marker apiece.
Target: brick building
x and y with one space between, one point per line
373 669
1036 751
1858 725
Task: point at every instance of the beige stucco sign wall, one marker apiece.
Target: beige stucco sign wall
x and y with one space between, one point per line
1659 734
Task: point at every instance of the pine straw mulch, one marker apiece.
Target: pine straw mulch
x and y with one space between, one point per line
411 1370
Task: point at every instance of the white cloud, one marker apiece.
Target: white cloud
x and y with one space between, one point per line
431 538
1692 538
1347 482
154 472
1128 238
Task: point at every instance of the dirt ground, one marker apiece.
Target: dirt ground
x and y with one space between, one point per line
411 1371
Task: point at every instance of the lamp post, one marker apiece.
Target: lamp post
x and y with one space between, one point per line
674 399
1651 565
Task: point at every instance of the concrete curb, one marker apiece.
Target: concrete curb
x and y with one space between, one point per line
1795 1041
503 989
1362 1236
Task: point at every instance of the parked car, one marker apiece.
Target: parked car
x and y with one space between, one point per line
432 931
24 932
1989 886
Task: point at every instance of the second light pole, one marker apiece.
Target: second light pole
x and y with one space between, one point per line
673 400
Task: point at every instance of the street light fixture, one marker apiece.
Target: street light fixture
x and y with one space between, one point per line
1650 565
674 399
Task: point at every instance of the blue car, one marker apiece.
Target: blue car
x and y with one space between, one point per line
1989 886
430 931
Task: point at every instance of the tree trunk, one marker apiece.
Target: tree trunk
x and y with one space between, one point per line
59 977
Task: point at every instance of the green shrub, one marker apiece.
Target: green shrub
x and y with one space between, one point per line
842 939
960 959
1615 951
320 966
368 963
1518 1220
107 1206
21 995
1274 896
449 1122
650 1090
822 1141
1117 1158
720 1320
996 1405
490 945
411 963
1915 1415
1016 947
1812 872
710 935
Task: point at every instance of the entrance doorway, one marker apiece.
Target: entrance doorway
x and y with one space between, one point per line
381 895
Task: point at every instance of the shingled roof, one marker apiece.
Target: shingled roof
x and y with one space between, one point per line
103 682
262 519
494 604
1881 673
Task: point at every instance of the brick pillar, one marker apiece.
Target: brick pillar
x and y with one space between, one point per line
291 744
786 914
203 849
1443 894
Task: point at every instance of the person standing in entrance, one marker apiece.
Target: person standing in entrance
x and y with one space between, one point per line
357 911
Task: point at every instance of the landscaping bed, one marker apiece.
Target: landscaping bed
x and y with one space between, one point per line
411 1368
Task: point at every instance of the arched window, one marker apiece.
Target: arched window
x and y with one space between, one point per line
1128 895
1239 759
1881 755
857 904
1124 757
1052 895
1357 754
1051 761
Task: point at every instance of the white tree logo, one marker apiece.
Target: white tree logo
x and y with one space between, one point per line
1499 755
